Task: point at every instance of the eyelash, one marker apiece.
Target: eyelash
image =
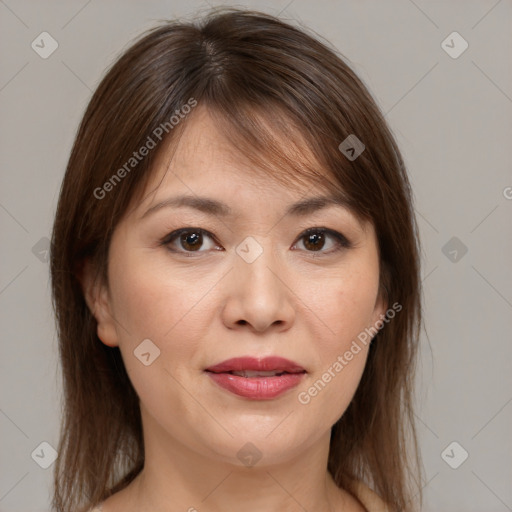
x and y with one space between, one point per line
340 240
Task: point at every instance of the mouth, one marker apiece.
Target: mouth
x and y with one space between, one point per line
262 366
256 379
255 373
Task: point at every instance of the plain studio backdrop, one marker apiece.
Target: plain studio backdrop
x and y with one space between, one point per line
440 71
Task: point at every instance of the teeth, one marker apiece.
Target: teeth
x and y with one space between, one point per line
250 373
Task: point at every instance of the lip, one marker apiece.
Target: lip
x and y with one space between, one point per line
257 388
271 363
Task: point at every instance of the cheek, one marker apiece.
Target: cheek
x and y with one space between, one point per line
334 399
152 303
344 305
167 305
152 298
340 354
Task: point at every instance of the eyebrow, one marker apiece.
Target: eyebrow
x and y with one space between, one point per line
217 208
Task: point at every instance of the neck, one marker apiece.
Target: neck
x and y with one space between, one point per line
177 477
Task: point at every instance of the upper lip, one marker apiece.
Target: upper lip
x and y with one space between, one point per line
272 363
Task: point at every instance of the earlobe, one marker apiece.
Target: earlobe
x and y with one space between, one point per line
383 298
380 309
382 304
97 298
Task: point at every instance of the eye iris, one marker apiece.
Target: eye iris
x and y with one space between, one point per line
191 240
316 239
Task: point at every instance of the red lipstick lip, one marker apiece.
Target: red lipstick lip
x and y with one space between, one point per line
256 388
271 363
288 375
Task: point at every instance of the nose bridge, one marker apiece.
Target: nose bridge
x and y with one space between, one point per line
257 260
253 256
259 295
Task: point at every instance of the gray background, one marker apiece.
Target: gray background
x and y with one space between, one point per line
452 118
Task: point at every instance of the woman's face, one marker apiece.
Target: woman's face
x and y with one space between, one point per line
245 283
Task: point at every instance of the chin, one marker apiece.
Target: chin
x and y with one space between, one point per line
251 446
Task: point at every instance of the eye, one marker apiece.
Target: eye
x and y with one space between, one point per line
189 239
314 240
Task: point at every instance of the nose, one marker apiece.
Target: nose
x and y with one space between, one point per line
258 295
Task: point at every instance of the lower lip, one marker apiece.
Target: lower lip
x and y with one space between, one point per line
257 388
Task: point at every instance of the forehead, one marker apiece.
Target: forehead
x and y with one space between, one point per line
209 148
202 160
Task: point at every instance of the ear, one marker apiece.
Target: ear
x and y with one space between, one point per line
381 305
97 298
380 308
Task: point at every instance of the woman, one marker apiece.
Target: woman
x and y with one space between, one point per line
235 272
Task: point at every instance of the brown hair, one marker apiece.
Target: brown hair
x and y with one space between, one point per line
260 76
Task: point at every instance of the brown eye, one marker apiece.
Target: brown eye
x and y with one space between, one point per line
189 240
316 240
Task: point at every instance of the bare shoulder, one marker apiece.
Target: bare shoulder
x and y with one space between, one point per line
98 508
115 503
352 504
368 500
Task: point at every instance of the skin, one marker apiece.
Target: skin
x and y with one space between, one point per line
294 301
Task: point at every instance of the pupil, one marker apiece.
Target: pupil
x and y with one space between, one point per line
316 240
190 240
